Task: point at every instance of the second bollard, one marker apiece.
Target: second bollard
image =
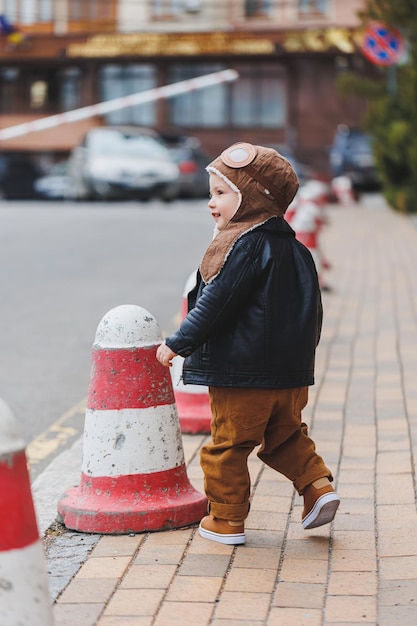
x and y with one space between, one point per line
192 401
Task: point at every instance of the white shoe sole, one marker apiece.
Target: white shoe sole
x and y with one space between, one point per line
323 511
232 539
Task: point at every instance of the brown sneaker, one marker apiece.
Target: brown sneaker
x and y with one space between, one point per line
320 506
221 530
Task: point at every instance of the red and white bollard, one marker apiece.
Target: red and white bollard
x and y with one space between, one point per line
343 190
24 591
133 476
192 400
306 215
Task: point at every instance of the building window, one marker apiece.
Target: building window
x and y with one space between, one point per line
202 107
8 89
124 80
162 9
28 11
192 6
91 16
312 8
28 90
166 8
257 8
69 88
38 94
90 10
10 10
45 11
41 90
257 99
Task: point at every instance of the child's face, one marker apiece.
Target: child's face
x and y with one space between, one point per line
223 202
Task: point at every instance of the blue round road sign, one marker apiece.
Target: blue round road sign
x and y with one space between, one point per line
382 45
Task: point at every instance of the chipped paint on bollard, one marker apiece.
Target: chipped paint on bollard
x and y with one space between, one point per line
24 592
133 476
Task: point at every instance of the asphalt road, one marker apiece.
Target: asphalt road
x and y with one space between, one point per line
62 267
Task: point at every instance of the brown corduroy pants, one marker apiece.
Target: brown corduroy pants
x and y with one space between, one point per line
244 419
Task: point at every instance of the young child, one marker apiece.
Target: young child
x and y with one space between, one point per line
250 335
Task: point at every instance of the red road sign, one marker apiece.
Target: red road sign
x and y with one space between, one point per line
382 45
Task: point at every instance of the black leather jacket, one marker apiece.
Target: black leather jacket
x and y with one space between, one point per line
258 322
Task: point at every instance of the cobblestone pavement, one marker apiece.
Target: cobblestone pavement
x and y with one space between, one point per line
363 417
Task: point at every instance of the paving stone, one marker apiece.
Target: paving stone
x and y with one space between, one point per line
87 591
236 622
305 571
251 580
238 605
292 616
156 576
167 554
181 613
125 620
257 557
353 583
354 560
404 615
300 595
194 589
398 593
118 545
398 568
204 565
104 567
394 544
133 602
70 614
351 609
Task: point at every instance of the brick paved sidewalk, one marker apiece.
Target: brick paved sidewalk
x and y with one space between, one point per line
363 417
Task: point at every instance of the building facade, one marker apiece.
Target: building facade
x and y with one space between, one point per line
67 54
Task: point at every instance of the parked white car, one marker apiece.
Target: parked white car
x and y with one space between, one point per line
122 162
55 184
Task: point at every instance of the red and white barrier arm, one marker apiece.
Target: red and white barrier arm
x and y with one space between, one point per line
168 91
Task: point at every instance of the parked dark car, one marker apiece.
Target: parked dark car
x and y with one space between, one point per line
192 160
17 177
117 162
351 155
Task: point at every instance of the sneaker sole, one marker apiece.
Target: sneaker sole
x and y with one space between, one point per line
230 539
323 511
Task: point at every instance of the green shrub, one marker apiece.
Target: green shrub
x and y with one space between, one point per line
403 199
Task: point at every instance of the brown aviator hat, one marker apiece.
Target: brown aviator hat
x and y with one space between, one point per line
266 184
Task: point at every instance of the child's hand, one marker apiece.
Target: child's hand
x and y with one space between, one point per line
165 355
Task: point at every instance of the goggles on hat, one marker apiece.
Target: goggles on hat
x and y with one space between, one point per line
240 156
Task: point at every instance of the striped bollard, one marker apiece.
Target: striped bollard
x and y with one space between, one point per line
193 402
343 190
133 476
24 591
